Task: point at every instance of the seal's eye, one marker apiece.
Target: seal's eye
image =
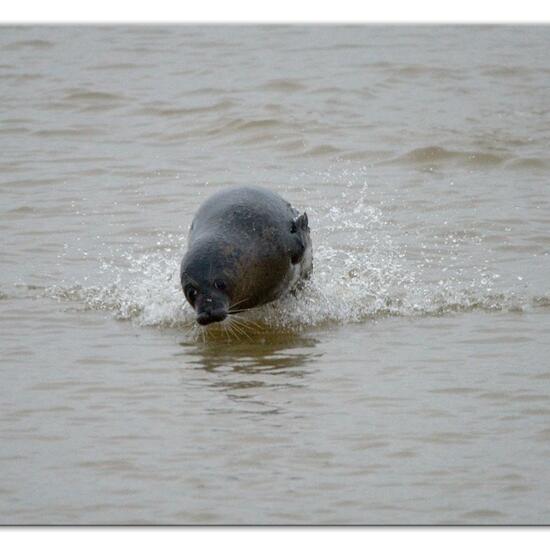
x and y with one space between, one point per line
191 292
219 284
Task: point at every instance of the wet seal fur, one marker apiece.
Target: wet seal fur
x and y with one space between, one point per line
247 246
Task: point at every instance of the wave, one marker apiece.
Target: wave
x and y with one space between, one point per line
36 44
359 274
438 155
284 85
92 96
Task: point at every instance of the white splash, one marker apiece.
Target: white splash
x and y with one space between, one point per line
359 273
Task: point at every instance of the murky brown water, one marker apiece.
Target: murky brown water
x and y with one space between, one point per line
408 384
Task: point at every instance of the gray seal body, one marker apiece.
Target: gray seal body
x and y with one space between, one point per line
247 246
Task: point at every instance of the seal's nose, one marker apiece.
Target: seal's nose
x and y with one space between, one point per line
207 317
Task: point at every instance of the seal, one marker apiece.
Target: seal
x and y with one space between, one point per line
247 246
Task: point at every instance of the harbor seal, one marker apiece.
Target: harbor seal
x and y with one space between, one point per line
247 246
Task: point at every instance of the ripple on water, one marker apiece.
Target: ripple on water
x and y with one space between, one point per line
435 155
30 44
284 85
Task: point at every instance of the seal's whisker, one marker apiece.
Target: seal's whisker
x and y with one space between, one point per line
233 332
241 331
247 322
240 322
234 327
226 333
188 330
237 303
230 329
240 327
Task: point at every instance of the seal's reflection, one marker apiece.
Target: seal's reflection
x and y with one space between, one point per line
250 370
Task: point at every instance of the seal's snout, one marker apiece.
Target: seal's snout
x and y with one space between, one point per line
211 316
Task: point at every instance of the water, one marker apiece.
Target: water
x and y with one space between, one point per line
408 383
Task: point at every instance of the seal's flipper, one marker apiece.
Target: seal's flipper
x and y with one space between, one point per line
300 223
299 226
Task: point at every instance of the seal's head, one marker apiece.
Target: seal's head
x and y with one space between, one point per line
207 282
246 248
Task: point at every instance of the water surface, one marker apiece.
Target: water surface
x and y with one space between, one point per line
409 382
